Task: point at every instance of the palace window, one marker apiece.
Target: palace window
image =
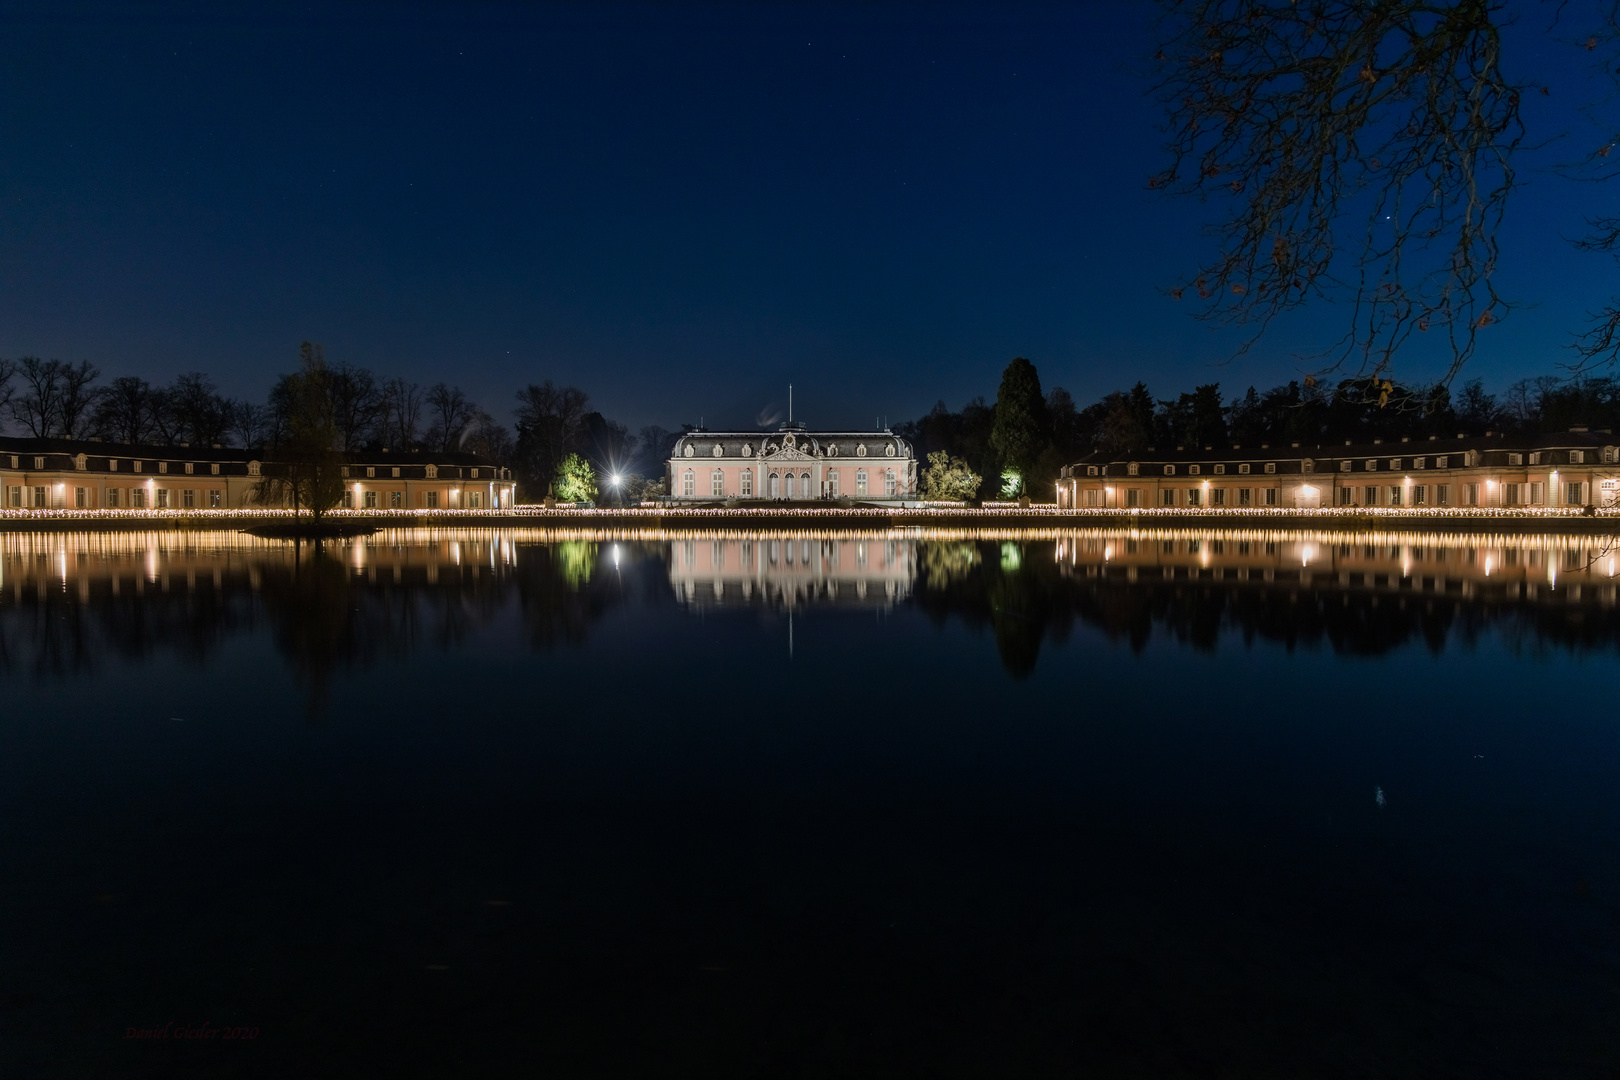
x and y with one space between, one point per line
788 486
1243 469
1244 496
213 498
860 482
1193 497
1133 497
1220 470
1091 470
1394 495
1217 497
112 497
371 500
112 464
1167 497
776 485
832 483
888 482
396 500
137 498
1441 462
688 483
719 451
253 468
1346 496
717 483
1420 494
432 472
1271 496
214 468
804 485
189 469
39 462
1577 457
137 466
1515 459
81 463
1442 494
475 499
748 483
431 500
1536 497
1307 465
81 498
163 466
1132 469
348 499
1573 496
163 498
1169 470
1271 466
1192 470
1535 457
188 499
343 471
1344 466
1371 495
371 472
1417 463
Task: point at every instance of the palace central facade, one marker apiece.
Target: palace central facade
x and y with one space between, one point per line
791 464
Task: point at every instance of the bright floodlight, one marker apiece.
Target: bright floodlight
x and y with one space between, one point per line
614 479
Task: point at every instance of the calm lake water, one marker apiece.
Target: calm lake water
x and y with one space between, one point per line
1157 804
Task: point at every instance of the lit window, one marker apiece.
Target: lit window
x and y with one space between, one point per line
889 484
860 482
475 499
717 483
213 498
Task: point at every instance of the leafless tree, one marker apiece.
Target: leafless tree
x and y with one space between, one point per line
200 415
401 413
249 423
1363 152
8 387
550 421
36 406
450 414
356 403
76 400
124 411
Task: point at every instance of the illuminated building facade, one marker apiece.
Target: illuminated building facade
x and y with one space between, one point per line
61 474
791 464
1574 468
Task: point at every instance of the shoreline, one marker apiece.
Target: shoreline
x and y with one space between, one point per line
1480 519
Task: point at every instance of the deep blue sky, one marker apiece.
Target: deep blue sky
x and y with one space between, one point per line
680 210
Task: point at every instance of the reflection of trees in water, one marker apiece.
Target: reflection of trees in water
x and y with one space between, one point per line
322 616
1023 598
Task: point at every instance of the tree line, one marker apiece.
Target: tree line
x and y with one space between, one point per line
1020 441
559 441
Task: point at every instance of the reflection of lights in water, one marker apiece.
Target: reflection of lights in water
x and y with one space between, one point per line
1108 553
1307 553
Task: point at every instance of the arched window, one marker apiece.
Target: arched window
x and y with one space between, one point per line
747 483
688 483
787 491
860 482
717 483
832 482
804 486
888 482
776 485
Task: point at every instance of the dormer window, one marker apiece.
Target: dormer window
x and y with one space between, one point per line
396 472
112 464
1091 470
188 468
1535 457
1395 464
1372 466
1220 470
1192 470
1307 465
81 463
1169 470
214 468
343 471
253 468
433 470
719 451
1243 469
1271 466
163 466
39 463
371 471
1577 457
1441 462
1417 463
1132 469
1344 466
1515 459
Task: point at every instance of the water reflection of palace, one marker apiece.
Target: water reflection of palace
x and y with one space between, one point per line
1499 567
791 569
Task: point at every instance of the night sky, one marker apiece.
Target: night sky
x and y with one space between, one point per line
680 211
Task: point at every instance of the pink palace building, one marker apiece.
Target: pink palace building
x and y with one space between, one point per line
791 463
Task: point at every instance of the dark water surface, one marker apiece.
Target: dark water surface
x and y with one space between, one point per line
1157 804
